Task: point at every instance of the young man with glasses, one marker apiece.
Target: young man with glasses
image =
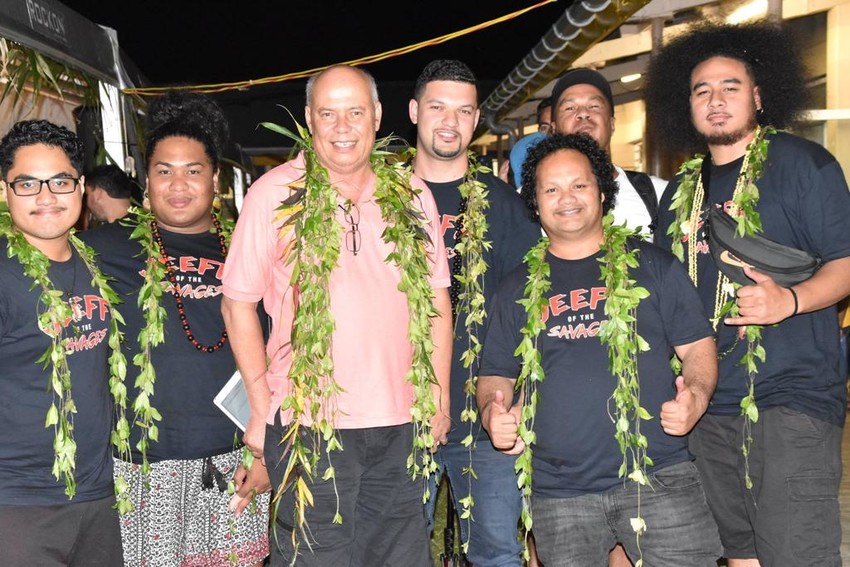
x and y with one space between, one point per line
40 523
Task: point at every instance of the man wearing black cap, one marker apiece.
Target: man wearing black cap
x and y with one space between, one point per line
582 103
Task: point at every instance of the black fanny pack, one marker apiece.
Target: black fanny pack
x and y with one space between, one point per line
787 266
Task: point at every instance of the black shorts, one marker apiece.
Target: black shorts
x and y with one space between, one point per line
77 534
791 514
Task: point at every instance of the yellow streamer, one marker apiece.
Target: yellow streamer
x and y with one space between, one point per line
243 85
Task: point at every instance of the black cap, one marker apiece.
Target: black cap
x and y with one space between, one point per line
582 76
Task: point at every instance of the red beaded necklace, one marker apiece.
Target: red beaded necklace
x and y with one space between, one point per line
170 271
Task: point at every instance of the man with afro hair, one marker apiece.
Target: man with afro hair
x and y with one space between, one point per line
772 471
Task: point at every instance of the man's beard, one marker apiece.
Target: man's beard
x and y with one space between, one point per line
447 153
731 138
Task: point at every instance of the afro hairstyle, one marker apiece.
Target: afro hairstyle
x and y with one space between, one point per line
769 52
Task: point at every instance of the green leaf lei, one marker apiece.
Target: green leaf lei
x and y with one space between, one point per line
470 304
309 212
618 332
686 203
53 315
153 287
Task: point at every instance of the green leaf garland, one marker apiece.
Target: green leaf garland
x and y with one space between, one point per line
686 203
154 286
618 332
309 214
55 311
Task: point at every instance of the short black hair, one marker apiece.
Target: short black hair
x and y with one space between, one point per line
189 115
111 179
444 70
32 132
767 49
600 163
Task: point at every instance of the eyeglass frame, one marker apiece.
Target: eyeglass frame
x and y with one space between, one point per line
352 235
41 184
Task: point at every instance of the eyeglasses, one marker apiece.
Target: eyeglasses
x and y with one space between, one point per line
210 474
57 185
352 235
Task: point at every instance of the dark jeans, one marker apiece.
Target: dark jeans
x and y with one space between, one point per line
77 534
493 541
383 520
791 515
580 531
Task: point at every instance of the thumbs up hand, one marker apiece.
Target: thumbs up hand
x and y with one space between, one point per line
679 415
503 425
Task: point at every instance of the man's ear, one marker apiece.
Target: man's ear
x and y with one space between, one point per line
379 111
413 111
757 98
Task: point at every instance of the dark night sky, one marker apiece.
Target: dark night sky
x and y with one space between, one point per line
198 41
211 41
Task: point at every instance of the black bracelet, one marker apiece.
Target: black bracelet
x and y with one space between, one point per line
796 302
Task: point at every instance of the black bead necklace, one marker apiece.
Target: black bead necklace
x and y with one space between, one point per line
170 270
457 261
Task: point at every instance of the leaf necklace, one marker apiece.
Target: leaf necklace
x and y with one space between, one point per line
467 293
688 202
618 332
158 269
308 222
54 314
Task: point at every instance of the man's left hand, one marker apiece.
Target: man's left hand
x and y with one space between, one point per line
679 415
440 425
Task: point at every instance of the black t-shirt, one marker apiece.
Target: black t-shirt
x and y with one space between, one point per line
576 452
511 233
804 203
26 445
187 379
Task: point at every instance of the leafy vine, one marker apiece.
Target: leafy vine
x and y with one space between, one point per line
531 373
307 219
154 285
619 333
687 203
470 310
55 311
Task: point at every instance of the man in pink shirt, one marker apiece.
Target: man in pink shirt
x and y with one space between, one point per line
370 351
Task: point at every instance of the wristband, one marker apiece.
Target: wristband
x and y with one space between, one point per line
796 302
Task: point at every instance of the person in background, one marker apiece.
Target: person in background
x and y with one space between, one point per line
445 110
110 193
377 240
43 520
582 103
582 506
730 89
184 511
511 169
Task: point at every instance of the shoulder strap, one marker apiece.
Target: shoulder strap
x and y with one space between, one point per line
644 187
